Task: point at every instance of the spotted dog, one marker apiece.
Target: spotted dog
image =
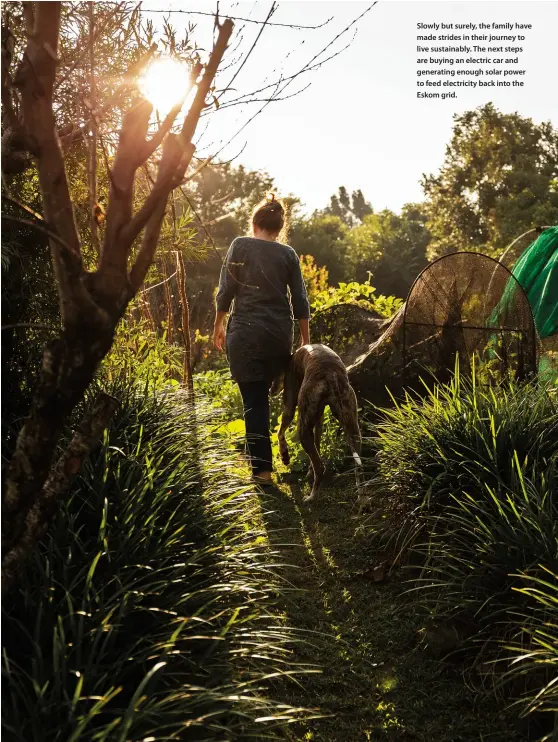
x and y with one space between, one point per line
314 378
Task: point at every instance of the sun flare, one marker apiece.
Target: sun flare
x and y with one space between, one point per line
165 83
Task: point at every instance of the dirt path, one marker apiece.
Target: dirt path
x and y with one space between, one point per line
378 681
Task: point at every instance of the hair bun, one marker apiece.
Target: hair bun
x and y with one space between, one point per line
269 214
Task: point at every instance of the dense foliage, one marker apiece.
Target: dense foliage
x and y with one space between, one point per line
499 179
146 610
469 478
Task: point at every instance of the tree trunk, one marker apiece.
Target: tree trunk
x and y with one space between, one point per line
187 378
92 303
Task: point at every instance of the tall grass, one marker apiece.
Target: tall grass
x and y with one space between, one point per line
146 612
463 437
469 480
534 649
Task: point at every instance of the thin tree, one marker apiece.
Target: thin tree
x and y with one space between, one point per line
91 302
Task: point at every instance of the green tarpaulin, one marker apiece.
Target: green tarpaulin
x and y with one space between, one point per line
537 273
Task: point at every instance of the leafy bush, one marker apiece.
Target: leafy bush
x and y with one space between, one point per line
362 294
144 613
315 277
484 557
534 649
469 476
461 437
219 391
139 353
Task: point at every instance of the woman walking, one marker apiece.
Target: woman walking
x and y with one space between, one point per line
258 274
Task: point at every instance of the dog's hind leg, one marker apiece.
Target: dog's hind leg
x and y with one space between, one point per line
309 445
290 395
318 428
346 412
345 409
310 411
286 419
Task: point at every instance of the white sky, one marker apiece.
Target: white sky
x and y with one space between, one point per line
360 123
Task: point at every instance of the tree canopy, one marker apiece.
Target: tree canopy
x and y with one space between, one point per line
499 178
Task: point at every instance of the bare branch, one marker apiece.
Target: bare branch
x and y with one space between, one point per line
280 89
187 378
162 131
173 163
239 18
131 142
248 97
192 118
203 164
272 99
272 10
174 156
144 291
35 80
231 159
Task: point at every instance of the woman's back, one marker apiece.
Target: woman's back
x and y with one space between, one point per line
258 274
263 272
264 280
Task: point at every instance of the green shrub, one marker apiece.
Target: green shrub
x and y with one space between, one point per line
484 557
219 391
362 294
469 478
139 353
460 437
145 612
534 649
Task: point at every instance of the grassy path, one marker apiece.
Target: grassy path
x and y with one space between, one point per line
378 681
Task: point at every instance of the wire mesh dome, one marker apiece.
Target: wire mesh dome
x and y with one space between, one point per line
464 305
470 306
346 328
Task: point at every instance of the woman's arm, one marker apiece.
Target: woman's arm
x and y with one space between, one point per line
223 300
219 330
227 282
304 325
299 300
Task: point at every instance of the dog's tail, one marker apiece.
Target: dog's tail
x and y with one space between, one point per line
280 379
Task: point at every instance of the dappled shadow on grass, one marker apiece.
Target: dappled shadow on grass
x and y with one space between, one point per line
377 681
